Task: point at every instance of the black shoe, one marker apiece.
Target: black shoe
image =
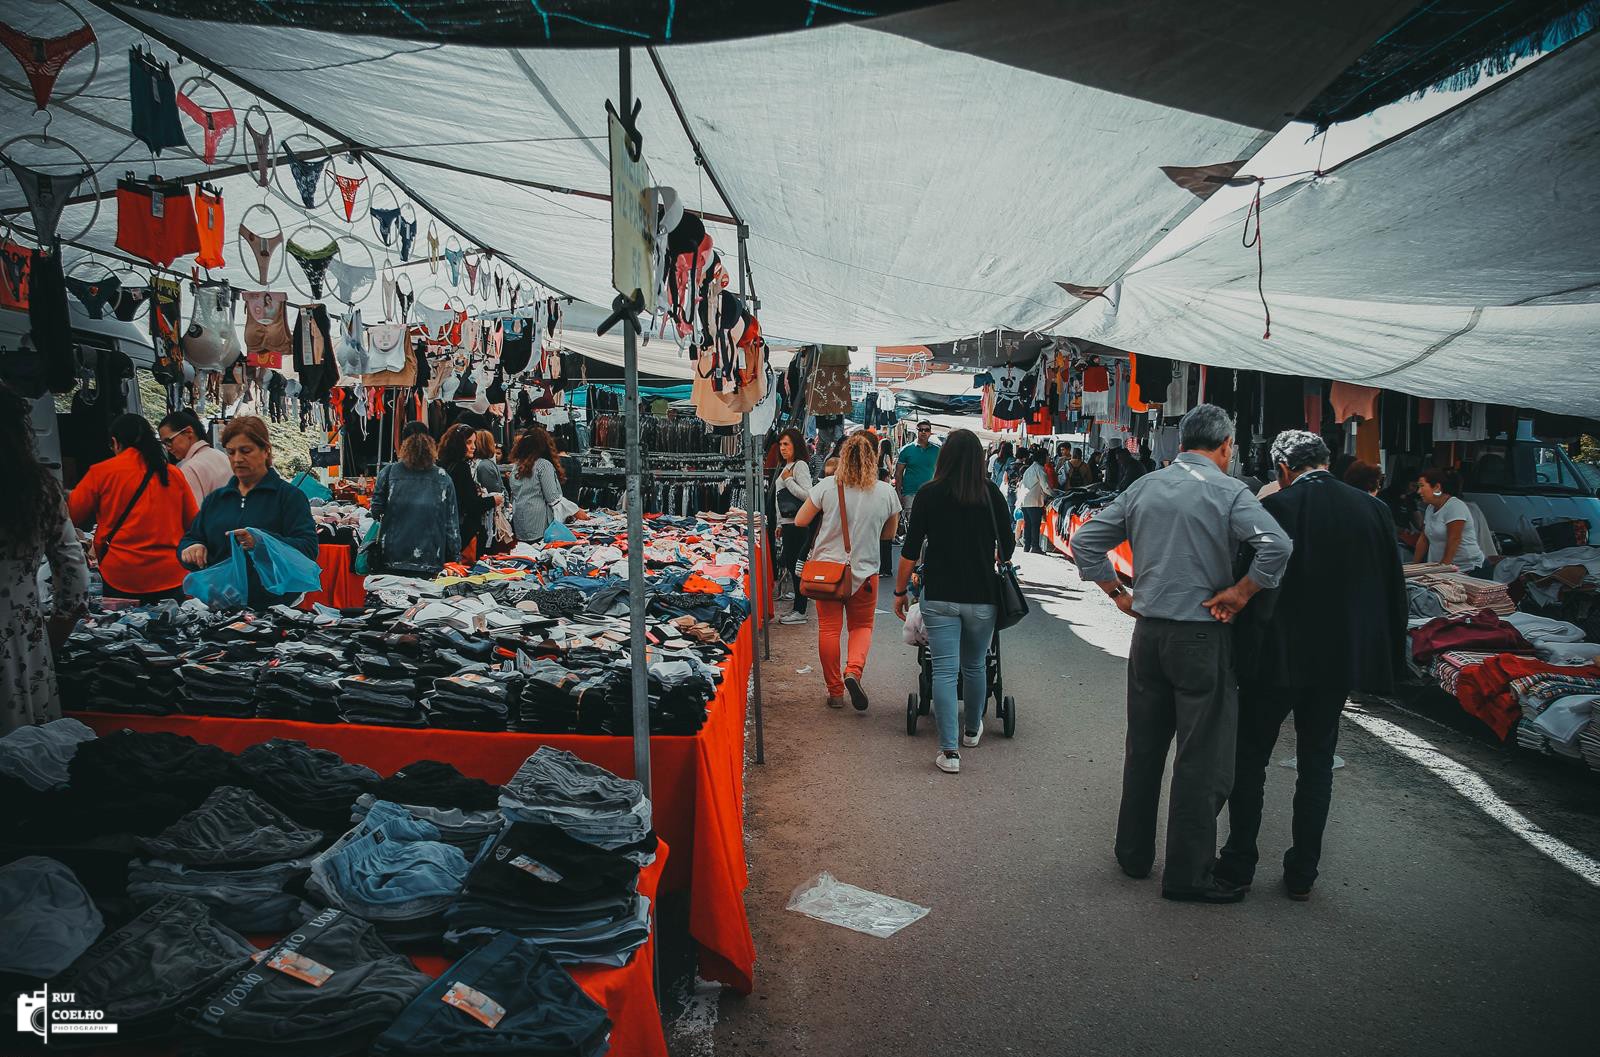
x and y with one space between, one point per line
1226 876
1299 891
1219 891
858 696
1135 872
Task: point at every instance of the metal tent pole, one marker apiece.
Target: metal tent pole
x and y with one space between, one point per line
754 496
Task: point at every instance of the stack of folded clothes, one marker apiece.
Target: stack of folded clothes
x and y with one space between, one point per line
466 828
312 786
212 690
579 902
474 700
368 698
392 869
298 691
39 756
137 676
143 973
237 854
679 691
554 787
329 987
466 811
559 700
506 997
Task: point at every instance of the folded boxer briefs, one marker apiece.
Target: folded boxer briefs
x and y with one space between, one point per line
232 828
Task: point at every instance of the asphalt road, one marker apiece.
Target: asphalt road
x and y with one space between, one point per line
1435 928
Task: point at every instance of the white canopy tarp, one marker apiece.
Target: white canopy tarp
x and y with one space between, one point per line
1458 260
918 177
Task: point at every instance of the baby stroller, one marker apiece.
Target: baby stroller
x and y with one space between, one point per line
920 702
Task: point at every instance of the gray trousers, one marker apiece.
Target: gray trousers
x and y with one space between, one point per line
1180 683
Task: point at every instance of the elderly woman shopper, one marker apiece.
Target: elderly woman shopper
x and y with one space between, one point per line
256 497
535 484
958 533
872 510
415 503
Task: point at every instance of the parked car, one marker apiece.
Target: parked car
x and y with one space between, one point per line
1524 483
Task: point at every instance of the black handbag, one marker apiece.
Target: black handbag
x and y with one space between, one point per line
1011 605
787 502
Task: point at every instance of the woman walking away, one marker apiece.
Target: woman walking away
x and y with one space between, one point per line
1449 533
791 487
535 484
33 525
870 512
1030 497
472 502
957 531
139 508
416 504
256 497
486 471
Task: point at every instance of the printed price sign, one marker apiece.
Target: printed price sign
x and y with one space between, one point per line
474 1003
633 222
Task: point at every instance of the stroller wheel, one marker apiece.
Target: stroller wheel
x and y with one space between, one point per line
912 711
1008 717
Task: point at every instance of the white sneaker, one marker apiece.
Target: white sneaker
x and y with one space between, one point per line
970 741
948 762
792 617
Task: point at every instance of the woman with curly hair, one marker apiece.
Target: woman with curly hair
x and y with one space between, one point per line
535 484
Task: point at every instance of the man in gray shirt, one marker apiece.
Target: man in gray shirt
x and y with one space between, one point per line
1185 524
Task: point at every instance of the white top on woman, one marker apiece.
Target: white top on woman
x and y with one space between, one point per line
869 509
1035 482
1436 526
794 478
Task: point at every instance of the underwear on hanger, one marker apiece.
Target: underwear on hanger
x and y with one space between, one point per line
436 320
350 277
210 342
47 196
214 124
391 303
97 296
154 101
387 342
43 58
407 230
472 272
261 249
155 221
263 152
386 219
307 175
433 250
406 301
208 224
314 263
266 328
499 289
348 186
453 258
350 354
129 298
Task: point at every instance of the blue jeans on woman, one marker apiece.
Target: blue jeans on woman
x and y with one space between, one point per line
958 641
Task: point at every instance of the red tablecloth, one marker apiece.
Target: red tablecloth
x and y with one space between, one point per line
698 785
1121 558
341 587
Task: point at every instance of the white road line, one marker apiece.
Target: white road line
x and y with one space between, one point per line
695 1029
1466 781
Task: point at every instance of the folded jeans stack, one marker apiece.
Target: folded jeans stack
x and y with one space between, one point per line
466 828
392 869
297 691
590 803
557 699
212 690
312 786
370 699
474 700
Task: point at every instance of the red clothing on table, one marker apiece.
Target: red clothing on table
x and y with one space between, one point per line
1485 689
143 557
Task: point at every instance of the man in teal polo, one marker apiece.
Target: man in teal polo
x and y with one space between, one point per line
914 467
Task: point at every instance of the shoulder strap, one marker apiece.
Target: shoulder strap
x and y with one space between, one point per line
994 518
104 543
844 514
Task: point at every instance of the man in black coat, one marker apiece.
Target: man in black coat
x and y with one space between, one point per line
1336 624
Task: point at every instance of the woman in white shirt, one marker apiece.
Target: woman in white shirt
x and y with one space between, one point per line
1030 497
791 487
1449 534
873 512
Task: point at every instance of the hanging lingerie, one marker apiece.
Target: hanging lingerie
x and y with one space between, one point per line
261 249
154 101
210 343
262 146
307 175
129 298
472 272
314 263
407 230
499 289
155 221
350 279
312 341
433 250
43 58
516 343
348 188
406 298
97 295
386 220
209 226
47 196
350 354
387 342
472 335
453 258
266 328
214 124
391 304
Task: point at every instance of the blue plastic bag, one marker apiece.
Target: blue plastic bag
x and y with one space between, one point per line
282 569
559 531
313 488
223 586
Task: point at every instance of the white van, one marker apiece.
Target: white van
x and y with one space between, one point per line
88 334
1524 483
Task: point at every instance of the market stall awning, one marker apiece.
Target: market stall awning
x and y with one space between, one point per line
834 145
1457 260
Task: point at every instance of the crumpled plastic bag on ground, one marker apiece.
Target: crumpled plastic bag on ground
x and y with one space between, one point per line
826 898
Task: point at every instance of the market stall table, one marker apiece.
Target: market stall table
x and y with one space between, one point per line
342 588
1121 557
698 783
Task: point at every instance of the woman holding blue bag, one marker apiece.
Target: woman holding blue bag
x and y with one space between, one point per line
256 499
